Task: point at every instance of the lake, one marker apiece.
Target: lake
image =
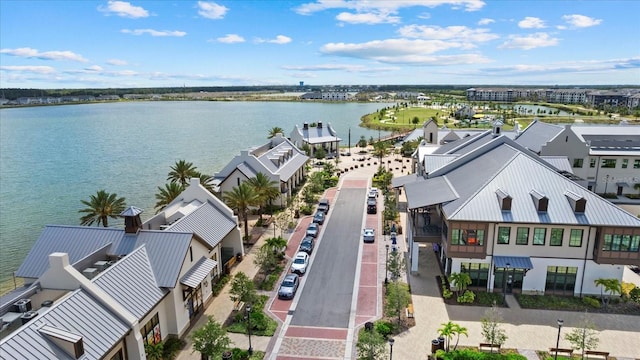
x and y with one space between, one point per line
52 157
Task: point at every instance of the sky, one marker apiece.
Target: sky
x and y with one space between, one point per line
116 44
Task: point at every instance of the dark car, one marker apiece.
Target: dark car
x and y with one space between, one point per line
289 286
307 245
323 205
372 209
318 218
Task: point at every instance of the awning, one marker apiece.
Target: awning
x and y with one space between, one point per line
198 272
622 184
513 262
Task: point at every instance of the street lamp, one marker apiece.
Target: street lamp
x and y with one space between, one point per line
504 283
386 265
248 309
560 322
391 341
606 182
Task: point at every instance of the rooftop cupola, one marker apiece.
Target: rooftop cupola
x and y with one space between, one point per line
497 128
132 222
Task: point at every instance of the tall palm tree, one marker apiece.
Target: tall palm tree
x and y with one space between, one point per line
182 171
275 130
167 194
276 244
612 286
266 189
241 198
207 182
101 207
459 330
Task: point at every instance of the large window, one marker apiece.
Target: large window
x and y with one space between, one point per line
577 163
618 242
625 163
556 237
539 235
636 164
522 236
608 163
467 234
575 239
592 162
479 273
503 235
561 279
151 331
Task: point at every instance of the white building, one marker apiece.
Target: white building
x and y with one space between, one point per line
317 137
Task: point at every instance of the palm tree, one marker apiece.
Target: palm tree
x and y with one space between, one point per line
101 207
241 198
459 330
182 171
447 331
266 189
276 244
275 130
612 286
207 182
461 281
167 194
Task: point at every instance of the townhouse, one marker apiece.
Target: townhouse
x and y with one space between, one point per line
317 137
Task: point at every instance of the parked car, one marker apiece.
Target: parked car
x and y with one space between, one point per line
307 244
313 229
369 235
374 190
289 286
300 263
372 194
318 218
323 205
372 209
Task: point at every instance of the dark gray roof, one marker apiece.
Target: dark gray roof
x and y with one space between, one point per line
80 314
207 222
198 272
466 144
559 162
440 191
131 211
132 284
318 135
514 262
403 180
537 134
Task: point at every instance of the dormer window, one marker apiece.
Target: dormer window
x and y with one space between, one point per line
578 203
504 199
540 201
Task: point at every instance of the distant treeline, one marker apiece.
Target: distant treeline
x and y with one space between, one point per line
13 94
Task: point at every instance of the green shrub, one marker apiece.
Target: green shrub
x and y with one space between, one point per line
239 354
634 295
446 293
171 347
306 209
590 301
269 282
467 297
222 281
384 328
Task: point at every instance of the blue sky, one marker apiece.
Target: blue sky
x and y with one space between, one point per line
101 44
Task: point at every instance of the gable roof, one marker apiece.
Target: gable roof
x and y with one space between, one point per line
318 134
207 222
537 134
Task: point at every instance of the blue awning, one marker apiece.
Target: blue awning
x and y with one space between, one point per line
514 262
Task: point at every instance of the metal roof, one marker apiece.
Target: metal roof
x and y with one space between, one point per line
436 161
513 262
79 314
198 272
207 222
559 162
439 192
403 180
132 284
537 134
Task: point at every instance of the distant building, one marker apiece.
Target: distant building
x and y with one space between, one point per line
317 137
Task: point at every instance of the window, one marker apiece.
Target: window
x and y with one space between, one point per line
151 331
468 236
522 236
577 163
455 236
636 164
556 237
592 163
503 235
479 273
625 163
561 279
608 163
575 239
539 235
618 242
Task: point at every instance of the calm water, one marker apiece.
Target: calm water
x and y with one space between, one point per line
53 157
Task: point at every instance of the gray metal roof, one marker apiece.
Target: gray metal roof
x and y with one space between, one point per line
290 167
198 272
77 241
537 134
80 314
436 161
132 284
440 191
514 262
403 180
207 222
318 135
559 162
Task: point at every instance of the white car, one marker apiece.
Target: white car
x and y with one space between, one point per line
300 263
369 235
373 191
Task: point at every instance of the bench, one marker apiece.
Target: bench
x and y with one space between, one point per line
567 352
589 354
410 311
488 347
267 222
238 305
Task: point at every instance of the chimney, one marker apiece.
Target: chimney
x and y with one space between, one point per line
319 124
132 222
305 126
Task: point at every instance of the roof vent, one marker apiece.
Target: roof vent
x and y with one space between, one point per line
539 200
577 202
504 199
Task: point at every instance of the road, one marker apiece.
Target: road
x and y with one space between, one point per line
327 295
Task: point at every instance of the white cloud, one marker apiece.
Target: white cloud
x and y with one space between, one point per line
368 18
116 62
32 69
211 10
230 39
123 9
568 67
280 39
384 6
485 21
424 15
47 55
152 32
581 21
529 42
94 68
531 23
462 34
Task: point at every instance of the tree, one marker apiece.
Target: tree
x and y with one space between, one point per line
275 130
207 182
459 330
584 336
211 340
265 259
265 189
182 171
636 186
154 351
167 194
611 286
242 289
492 332
101 207
449 330
320 153
398 299
460 281
241 198
277 245
371 345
